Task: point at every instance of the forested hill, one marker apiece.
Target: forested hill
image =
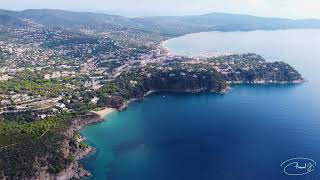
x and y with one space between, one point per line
171 25
222 22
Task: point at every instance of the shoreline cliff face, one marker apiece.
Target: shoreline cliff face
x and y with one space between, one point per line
185 79
216 76
125 104
75 170
59 156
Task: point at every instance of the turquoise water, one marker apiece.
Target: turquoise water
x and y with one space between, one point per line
245 134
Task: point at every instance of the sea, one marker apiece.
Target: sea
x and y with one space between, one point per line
254 132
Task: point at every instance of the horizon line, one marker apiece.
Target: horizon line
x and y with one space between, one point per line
107 12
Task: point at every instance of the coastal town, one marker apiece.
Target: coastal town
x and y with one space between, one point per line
90 70
55 80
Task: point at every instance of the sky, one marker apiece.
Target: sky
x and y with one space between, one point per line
296 9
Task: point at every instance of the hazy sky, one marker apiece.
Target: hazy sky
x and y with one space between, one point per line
271 8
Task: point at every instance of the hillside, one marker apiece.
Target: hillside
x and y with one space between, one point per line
170 25
221 22
52 17
56 67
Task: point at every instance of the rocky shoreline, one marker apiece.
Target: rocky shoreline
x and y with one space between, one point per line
76 171
126 103
263 82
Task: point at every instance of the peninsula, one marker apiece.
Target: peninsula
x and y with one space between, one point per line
58 69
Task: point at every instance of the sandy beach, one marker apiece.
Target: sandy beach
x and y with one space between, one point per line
104 112
200 55
165 48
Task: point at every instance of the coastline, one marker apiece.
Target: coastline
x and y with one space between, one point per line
75 169
166 50
104 112
127 103
299 81
204 55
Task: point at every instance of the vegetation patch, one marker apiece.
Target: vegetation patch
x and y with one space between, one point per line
13 133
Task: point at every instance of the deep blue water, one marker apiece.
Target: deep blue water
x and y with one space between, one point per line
245 134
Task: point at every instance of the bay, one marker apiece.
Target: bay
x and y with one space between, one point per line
245 134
